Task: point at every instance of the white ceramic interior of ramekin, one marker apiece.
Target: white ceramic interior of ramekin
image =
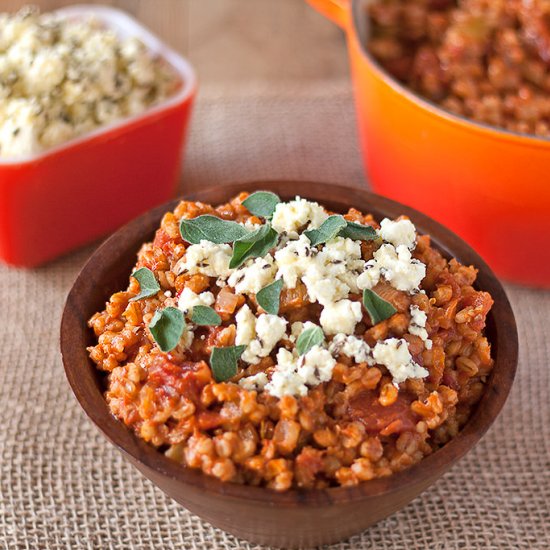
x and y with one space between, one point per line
125 26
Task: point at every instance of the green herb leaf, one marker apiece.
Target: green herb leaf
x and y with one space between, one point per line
327 231
148 285
358 232
167 326
210 228
262 203
205 316
270 296
308 338
223 362
254 245
377 308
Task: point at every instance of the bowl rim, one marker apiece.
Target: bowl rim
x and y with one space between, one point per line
429 468
359 26
122 23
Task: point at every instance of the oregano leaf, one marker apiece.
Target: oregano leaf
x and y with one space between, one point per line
211 228
148 285
167 327
205 316
358 232
256 244
269 297
223 362
327 231
377 308
262 203
308 338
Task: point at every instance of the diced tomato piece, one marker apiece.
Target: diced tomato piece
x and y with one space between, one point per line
366 408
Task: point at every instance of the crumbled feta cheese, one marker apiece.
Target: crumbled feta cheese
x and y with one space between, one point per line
394 354
60 78
188 300
355 348
341 316
293 260
328 274
370 277
400 232
417 325
396 265
291 216
269 330
292 374
187 337
246 326
206 257
285 379
316 366
253 275
256 382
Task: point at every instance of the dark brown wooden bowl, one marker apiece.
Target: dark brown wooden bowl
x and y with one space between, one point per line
297 517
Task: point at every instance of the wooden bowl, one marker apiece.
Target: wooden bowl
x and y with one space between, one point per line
296 517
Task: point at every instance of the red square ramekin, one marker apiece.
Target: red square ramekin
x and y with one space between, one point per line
56 200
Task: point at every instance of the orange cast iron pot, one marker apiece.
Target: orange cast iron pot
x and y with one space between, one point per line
489 185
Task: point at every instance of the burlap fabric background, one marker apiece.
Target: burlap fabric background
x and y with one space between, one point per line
63 486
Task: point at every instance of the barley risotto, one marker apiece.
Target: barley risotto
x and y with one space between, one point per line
278 344
486 60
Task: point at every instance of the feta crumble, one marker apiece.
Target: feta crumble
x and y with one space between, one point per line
396 265
291 216
61 78
394 354
292 374
399 232
355 348
246 326
269 330
208 258
256 382
188 300
417 325
253 275
329 274
341 316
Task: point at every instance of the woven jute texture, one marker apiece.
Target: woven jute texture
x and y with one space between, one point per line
62 486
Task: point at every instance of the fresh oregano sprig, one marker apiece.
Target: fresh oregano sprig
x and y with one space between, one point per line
148 285
255 244
358 232
205 316
262 203
167 327
270 296
223 362
377 308
327 231
308 338
211 228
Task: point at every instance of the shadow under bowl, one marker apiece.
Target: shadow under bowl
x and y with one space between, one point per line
294 518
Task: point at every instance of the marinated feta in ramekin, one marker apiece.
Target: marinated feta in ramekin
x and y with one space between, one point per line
61 78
